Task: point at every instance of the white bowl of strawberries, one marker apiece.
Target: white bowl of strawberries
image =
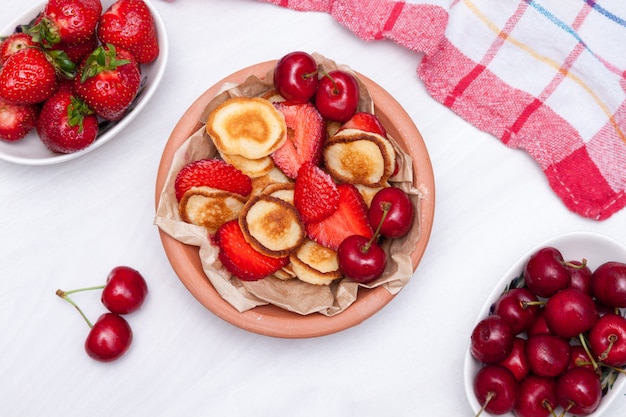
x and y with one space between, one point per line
551 338
267 201
62 114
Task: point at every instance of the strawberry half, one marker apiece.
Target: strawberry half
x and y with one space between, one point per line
16 120
129 24
214 173
240 258
366 122
350 218
306 132
315 193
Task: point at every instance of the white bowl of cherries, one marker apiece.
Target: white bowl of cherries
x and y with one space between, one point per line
551 338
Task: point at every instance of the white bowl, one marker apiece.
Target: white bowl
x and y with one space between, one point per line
31 151
596 249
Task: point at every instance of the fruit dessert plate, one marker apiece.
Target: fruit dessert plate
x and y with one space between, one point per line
559 303
31 150
290 308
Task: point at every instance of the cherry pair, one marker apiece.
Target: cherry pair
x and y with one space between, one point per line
298 79
110 336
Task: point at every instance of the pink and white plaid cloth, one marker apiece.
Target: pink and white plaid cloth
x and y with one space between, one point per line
546 76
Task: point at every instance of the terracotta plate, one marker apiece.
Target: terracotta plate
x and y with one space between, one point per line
271 320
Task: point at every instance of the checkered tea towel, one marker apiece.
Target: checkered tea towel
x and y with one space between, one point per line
546 76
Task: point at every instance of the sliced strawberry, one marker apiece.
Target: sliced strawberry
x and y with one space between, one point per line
315 193
240 258
214 173
350 218
306 132
366 122
16 120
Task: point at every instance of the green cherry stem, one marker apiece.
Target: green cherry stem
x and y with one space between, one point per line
386 208
585 346
65 295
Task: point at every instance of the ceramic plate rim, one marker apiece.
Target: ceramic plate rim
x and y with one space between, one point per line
157 69
558 241
259 320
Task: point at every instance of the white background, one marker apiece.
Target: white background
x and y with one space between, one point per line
66 226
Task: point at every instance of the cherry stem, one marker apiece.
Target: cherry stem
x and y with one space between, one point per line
326 74
546 404
64 295
526 304
570 404
583 263
315 73
583 342
490 396
386 206
612 339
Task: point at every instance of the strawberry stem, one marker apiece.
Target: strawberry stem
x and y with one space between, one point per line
64 295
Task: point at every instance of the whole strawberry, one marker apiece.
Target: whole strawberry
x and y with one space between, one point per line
16 120
66 124
130 25
108 81
27 77
67 21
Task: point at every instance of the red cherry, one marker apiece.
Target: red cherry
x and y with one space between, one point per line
539 326
517 362
491 340
545 272
361 259
125 290
337 96
607 339
579 391
496 389
608 284
296 77
109 338
399 212
518 306
580 276
537 397
547 355
570 312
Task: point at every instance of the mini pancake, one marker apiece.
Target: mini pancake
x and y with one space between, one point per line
315 264
254 168
209 207
271 225
358 157
247 126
